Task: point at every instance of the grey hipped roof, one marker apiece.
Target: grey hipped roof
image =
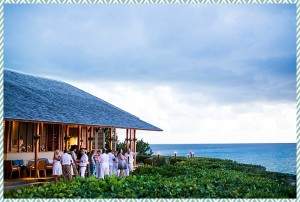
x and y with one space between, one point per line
32 98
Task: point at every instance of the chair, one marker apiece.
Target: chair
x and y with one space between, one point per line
48 164
41 166
10 168
19 163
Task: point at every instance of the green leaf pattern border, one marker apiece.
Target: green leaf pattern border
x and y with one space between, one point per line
297 4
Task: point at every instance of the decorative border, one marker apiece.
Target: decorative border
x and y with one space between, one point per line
296 2
150 1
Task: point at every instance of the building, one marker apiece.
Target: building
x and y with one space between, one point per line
42 115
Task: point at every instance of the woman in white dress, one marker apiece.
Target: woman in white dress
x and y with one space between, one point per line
105 164
115 164
111 162
121 163
56 167
94 160
99 167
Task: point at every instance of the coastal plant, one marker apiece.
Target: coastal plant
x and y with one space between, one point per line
187 178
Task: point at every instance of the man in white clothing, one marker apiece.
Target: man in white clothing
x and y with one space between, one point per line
84 160
66 162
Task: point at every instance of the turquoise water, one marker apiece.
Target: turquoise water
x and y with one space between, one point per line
275 157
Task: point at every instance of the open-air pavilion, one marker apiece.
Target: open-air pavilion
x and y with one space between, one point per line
42 115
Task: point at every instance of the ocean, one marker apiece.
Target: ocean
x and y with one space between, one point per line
275 157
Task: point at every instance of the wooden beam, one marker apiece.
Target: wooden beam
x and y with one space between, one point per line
87 137
80 139
110 139
8 140
18 141
36 149
134 141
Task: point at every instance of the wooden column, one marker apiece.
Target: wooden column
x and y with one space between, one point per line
36 148
127 138
7 137
18 141
67 133
111 139
86 139
134 147
90 137
79 137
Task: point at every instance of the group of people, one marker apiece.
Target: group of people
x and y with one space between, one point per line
98 163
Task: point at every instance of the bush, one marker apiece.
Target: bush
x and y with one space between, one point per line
185 178
174 160
141 158
157 161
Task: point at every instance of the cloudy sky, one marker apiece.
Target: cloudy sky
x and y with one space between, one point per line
204 74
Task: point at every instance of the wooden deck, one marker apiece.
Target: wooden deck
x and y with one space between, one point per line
14 183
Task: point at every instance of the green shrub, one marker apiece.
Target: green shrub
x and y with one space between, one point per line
157 160
141 158
185 178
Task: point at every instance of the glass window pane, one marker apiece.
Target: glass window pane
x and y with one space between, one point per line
14 137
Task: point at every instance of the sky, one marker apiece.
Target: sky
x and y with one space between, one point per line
202 73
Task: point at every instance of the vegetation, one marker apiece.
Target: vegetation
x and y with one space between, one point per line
174 178
143 150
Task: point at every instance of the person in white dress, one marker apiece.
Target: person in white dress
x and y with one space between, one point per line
56 167
99 162
122 166
84 160
74 157
105 164
129 160
116 171
93 163
111 157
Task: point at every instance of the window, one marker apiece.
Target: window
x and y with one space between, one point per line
52 133
83 139
14 141
19 136
49 139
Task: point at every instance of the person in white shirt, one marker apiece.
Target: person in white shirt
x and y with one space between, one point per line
115 164
84 160
74 156
66 162
129 159
111 157
93 163
105 164
99 162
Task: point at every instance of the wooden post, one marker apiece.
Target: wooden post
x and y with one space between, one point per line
8 137
36 149
134 147
67 133
110 139
18 136
126 140
79 137
90 138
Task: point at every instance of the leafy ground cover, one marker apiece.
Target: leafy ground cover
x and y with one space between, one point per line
180 178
